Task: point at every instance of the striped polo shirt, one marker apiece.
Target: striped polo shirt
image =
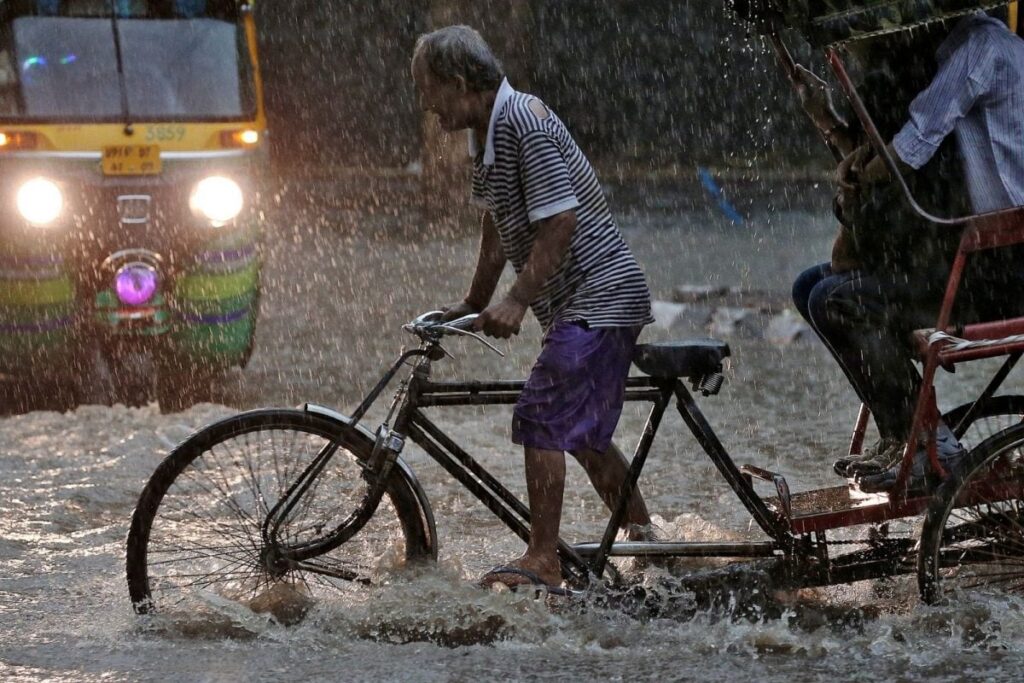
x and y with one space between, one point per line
531 169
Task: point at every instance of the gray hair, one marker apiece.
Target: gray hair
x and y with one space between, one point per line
456 51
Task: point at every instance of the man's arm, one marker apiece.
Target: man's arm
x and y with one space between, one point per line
554 236
489 264
963 78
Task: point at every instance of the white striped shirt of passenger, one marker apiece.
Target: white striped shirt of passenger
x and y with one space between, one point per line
530 169
978 92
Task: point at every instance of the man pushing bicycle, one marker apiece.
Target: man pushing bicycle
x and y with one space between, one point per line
545 212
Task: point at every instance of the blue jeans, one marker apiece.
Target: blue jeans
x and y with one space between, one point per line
866 320
865 323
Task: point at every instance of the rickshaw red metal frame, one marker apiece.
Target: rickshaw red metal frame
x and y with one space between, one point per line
990 339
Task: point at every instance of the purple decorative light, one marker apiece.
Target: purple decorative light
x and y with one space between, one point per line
135 283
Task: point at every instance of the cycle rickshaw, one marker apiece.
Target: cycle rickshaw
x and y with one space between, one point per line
310 497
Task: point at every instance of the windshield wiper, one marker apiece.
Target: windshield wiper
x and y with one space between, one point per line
120 68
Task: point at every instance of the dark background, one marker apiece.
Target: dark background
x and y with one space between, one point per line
642 84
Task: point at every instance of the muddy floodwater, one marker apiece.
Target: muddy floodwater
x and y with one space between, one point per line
337 288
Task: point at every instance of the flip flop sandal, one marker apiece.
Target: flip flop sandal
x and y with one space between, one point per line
532 581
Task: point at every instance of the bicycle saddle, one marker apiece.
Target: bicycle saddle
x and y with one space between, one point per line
690 358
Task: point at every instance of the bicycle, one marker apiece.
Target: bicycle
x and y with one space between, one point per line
312 498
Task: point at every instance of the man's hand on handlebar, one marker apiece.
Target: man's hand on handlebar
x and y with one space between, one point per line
457 310
501 320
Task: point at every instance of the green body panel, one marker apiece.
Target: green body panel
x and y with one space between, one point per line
216 301
37 308
202 287
220 345
36 293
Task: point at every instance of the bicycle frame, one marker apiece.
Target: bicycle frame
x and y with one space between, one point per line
584 560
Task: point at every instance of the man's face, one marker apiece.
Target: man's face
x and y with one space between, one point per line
449 101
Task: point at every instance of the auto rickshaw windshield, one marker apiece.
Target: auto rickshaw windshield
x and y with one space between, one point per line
183 68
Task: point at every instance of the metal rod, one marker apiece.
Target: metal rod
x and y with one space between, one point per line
716 451
680 549
990 390
428 388
491 398
358 413
486 488
628 487
449 400
509 385
789 67
860 429
420 421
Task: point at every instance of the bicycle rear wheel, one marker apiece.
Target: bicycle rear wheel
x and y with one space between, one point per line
972 539
196 534
987 419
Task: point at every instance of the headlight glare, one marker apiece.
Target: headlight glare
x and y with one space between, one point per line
40 201
217 198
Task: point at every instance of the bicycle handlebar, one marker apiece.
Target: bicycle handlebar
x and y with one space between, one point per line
431 326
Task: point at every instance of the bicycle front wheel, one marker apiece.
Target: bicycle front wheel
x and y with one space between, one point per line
196 535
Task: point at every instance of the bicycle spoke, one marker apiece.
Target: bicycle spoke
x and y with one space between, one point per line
247 557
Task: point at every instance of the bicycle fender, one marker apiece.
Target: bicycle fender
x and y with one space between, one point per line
402 467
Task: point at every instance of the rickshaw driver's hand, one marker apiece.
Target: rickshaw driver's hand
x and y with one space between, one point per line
501 320
848 176
848 173
458 310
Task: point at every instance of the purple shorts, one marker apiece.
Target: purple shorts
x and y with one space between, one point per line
573 398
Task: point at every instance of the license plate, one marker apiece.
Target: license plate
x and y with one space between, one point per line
131 160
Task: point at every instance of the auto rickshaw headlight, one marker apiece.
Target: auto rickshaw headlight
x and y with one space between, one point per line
217 198
40 201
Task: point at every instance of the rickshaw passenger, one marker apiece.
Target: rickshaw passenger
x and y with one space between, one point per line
881 244
544 211
978 93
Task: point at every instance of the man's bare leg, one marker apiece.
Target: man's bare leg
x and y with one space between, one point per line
607 471
545 483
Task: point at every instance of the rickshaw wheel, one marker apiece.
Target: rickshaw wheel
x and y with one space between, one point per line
196 543
972 539
993 416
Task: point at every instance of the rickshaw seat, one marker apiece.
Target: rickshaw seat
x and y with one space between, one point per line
690 358
982 339
974 342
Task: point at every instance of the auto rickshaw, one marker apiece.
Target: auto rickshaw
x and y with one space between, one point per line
130 133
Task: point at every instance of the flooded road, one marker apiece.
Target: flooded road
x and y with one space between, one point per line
337 292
